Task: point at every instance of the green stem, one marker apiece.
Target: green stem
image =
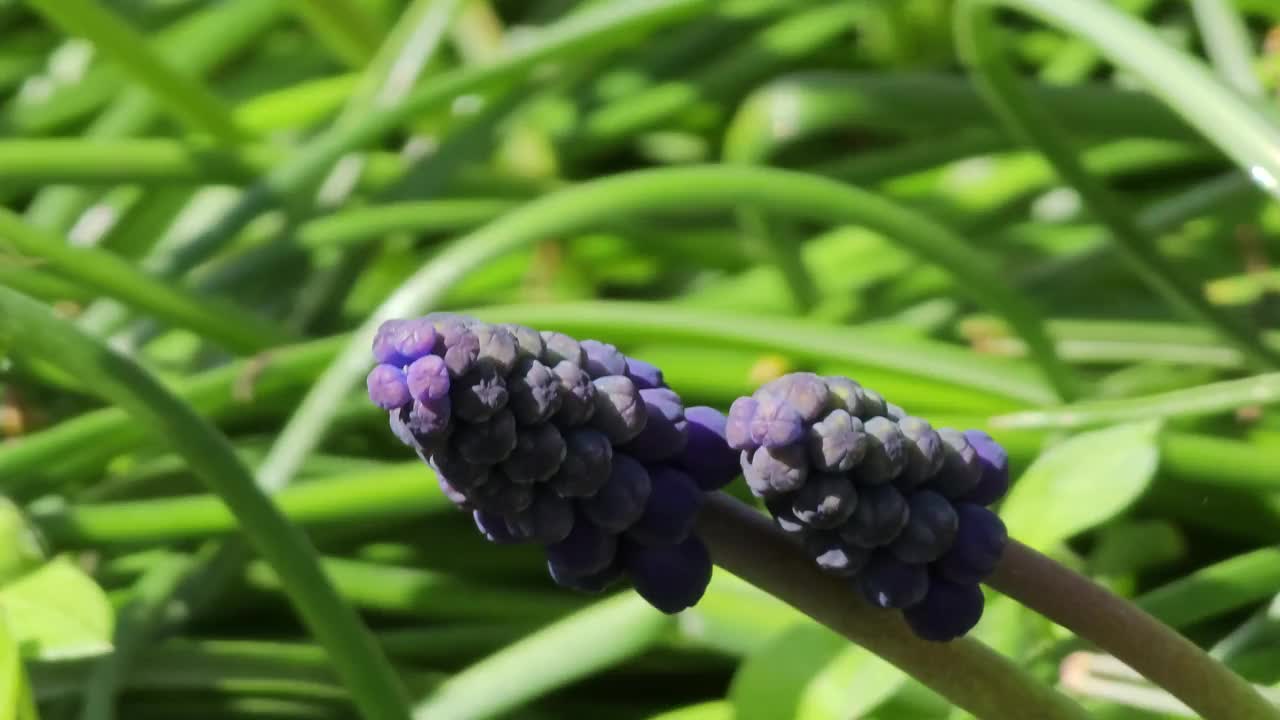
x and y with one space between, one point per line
1197 96
1131 635
30 329
964 671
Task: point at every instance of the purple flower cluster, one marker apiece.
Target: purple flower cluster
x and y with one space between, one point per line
571 445
876 495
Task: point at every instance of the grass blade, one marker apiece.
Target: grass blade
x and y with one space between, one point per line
185 97
28 328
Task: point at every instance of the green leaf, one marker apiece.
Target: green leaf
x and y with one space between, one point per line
58 612
1081 483
772 680
16 699
20 549
712 710
851 685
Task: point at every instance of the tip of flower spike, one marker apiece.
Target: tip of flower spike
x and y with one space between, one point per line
873 493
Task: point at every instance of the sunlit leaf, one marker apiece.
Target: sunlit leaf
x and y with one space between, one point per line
58 612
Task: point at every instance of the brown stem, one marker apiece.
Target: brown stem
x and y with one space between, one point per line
965 671
1135 638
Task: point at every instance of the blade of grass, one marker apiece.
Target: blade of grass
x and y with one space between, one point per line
778 191
346 27
407 489
637 322
590 31
980 48
553 657
28 328
1209 399
212 317
202 41
136 624
1227 41
184 96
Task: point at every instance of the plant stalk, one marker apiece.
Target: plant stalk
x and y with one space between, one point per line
965 671
1135 638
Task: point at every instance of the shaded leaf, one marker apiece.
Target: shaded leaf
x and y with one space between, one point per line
770 683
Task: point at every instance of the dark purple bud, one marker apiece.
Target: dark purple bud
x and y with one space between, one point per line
529 345
587 463
387 387
805 393
835 556
458 472
537 455
534 392
501 496
620 413
977 548
961 469
665 432
947 612
558 347
930 530
672 508
887 582
895 413
775 423
593 584
925 454
644 375
460 356
845 394
585 551
479 394
826 501
622 500
671 578
737 430
603 359
837 442
577 395
493 527
707 455
995 468
547 520
771 471
886 452
879 517
425 424
497 348
450 327
400 342
780 508
428 378
873 405
488 442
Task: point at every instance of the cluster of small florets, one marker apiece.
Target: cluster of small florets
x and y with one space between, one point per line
876 495
570 445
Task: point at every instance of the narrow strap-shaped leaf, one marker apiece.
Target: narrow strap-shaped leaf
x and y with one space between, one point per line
29 328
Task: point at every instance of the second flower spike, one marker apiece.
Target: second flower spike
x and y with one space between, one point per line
877 496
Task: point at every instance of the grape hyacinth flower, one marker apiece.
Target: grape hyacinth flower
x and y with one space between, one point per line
571 445
876 495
